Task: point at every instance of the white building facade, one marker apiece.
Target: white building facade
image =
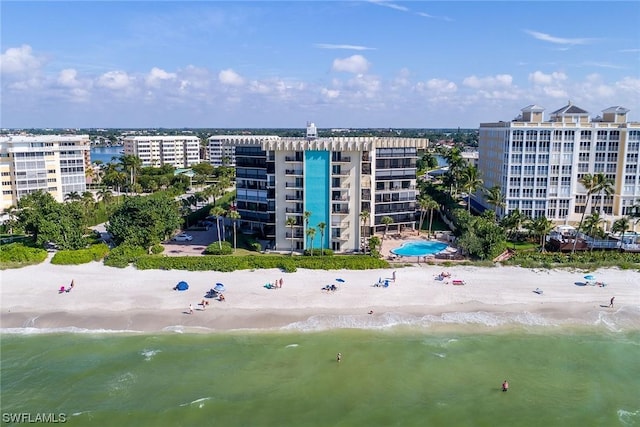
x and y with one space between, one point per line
538 163
179 151
346 184
52 163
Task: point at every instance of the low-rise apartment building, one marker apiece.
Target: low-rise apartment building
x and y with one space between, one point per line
179 151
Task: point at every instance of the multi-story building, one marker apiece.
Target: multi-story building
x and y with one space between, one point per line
346 183
538 163
179 151
53 163
221 151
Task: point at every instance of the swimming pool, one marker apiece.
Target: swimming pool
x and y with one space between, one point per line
419 248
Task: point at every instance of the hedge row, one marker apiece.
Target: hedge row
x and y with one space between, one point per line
583 259
233 263
16 255
80 256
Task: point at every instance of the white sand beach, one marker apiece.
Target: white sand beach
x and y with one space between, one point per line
106 298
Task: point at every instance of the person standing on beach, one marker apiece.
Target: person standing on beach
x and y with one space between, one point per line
190 308
611 302
281 282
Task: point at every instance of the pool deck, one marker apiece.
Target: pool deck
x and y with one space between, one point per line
394 240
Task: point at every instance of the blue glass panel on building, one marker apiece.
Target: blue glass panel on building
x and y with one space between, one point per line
316 194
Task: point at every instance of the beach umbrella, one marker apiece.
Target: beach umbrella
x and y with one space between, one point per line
340 280
590 277
182 286
219 287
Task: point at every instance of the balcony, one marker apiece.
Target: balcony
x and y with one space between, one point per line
293 172
295 235
292 159
344 159
293 198
293 185
340 211
293 211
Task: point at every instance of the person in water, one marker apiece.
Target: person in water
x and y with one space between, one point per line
505 386
339 357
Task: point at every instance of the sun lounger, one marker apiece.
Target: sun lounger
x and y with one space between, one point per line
458 282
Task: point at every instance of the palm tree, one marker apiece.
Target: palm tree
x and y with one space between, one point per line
592 185
306 216
311 233
513 222
217 211
105 195
423 203
471 181
456 166
321 227
291 222
234 216
431 205
592 225
386 220
364 217
11 218
541 226
621 225
72 196
131 164
605 188
496 198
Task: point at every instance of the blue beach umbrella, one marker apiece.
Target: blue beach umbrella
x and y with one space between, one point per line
219 287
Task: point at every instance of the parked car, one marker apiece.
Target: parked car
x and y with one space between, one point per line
183 237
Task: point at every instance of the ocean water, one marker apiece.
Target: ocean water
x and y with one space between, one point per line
401 376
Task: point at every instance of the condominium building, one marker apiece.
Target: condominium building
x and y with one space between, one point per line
221 150
53 163
346 183
179 151
538 163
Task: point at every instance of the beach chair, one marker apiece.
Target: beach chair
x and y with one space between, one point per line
458 282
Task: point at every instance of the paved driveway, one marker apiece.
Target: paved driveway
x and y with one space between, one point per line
201 239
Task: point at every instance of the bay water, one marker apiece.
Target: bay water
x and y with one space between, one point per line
105 154
401 376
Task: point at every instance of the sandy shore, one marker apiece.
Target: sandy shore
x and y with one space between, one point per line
127 299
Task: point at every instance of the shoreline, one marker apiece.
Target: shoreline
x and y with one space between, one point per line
112 299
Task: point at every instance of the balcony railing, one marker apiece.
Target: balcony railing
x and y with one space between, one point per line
292 159
293 210
343 159
296 198
293 171
340 212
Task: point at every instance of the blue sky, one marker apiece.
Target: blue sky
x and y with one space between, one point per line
251 64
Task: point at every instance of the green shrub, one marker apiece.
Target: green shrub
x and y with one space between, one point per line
255 246
157 249
16 255
589 260
316 252
285 263
223 248
80 256
123 255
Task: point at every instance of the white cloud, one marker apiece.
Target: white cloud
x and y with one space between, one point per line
540 78
330 93
230 77
499 80
441 85
557 40
157 75
115 80
68 78
19 60
342 46
390 5
629 84
356 64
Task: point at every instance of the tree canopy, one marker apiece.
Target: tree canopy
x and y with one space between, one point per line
145 221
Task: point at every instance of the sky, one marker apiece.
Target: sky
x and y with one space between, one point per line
339 64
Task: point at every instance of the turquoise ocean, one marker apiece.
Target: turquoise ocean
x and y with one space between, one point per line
447 375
